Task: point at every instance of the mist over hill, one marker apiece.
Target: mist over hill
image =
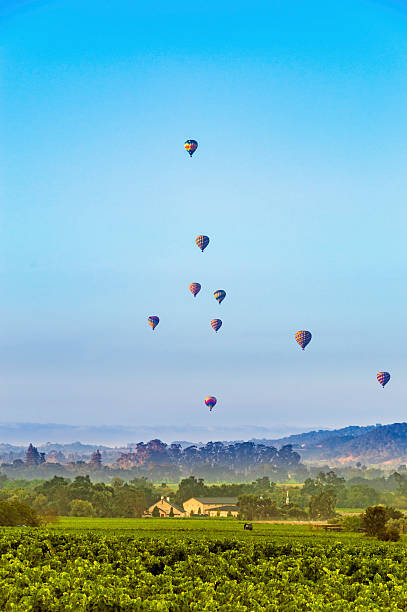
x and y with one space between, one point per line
123 435
372 444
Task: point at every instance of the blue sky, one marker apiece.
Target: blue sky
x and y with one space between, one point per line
300 110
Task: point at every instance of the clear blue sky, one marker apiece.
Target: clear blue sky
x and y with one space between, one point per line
300 110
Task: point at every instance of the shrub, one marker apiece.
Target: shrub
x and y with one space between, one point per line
391 532
81 507
352 523
297 513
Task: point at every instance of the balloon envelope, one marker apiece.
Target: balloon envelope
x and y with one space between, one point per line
153 321
216 324
194 288
303 338
220 295
202 242
191 146
210 402
383 378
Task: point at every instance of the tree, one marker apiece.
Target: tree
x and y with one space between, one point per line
247 506
190 487
17 513
155 512
128 502
374 519
257 507
172 512
322 505
361 496
81 507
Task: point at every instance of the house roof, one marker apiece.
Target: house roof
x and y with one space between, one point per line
177 507
216 500
224 508
169 503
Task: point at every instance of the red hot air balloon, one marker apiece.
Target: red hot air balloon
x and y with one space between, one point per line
383 378
202 242
303 338
191 146
153 321
194 288
216 324
210 402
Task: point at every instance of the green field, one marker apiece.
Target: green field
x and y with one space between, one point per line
191 528
170 565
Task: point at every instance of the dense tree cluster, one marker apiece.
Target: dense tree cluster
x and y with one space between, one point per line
260 498
14 513
214 459
156 460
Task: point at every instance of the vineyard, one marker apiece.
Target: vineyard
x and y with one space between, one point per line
56 570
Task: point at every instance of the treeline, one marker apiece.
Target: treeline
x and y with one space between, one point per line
261 498
236 462
82 497
155 460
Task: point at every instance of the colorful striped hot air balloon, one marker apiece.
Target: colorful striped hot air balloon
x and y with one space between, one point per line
153 321
220 295
202 242
210 402
216 324
303 338
191 146
383 378
194 288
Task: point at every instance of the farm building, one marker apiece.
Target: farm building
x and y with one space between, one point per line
164 507
223 511
204 505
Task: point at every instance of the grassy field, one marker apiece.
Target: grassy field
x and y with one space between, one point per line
196 529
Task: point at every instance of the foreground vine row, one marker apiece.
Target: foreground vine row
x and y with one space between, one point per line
45 571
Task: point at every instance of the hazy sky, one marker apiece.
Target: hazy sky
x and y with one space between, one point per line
300 110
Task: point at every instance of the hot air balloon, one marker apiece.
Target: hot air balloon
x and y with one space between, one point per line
153 321
303 338
191 146
383 378
194 288
216 324
220 295
202 242
211 402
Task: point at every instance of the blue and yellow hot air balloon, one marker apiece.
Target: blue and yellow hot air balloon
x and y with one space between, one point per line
216 324
383 378
194 288
303 338
153 321
191 146
220 295
202 242
210 402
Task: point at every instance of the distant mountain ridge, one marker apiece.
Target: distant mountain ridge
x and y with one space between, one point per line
321 435
372 444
